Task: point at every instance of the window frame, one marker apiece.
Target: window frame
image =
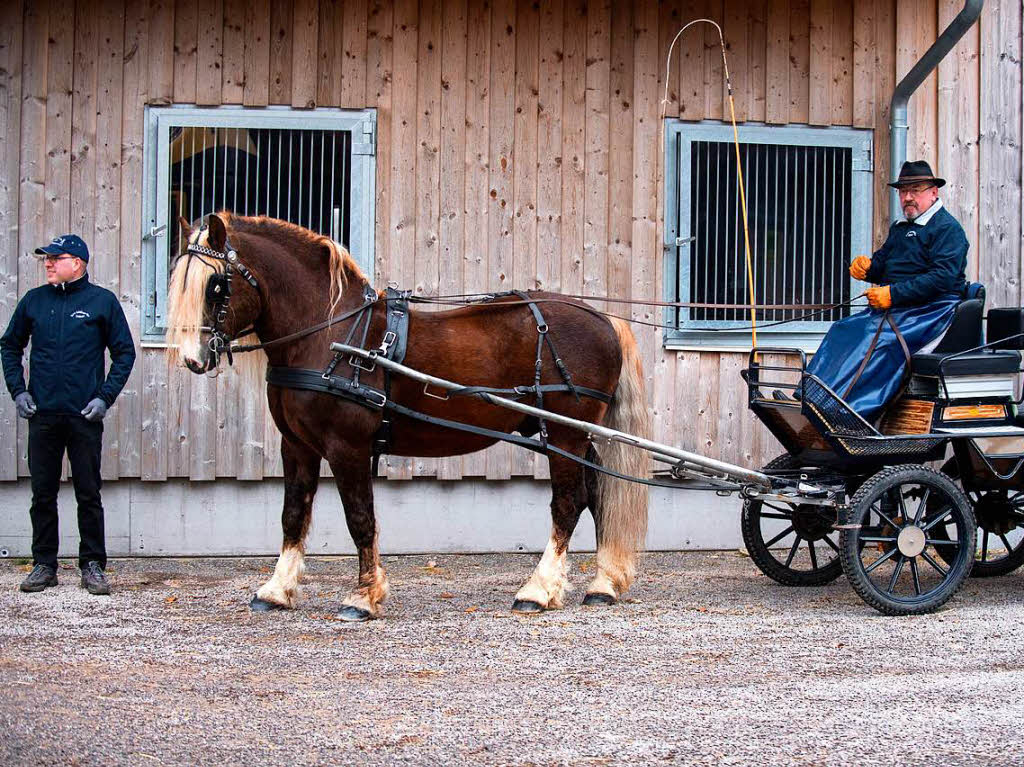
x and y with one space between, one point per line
362 123
679 137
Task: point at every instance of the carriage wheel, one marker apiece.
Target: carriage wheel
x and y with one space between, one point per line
793 545
1000 548
888 542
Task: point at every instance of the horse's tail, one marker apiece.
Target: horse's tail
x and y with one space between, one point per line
621 515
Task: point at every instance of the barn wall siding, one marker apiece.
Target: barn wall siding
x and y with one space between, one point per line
519 145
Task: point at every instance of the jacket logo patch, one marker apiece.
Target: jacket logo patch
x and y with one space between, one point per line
911 233
80 315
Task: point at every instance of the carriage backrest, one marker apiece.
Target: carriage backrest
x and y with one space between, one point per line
966 330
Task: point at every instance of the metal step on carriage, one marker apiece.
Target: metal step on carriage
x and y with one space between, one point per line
858 498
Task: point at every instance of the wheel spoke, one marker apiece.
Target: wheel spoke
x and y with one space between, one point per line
944 512
830 543
878 510
792 551
896 573
782 509
934 564
1006 543
814 558
917 578
763 515
780 536
877 539
984 546
903 504
922 506
880 560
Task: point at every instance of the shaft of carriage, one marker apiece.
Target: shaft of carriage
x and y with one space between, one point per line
725 475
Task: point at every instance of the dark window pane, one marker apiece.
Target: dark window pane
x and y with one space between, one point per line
799 226
301 176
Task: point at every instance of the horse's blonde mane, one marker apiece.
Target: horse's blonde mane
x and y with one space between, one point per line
187 289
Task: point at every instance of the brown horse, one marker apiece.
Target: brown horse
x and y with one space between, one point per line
286 279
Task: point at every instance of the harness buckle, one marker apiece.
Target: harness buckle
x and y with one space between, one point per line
542 329
372 396
357 362
389 339
426 390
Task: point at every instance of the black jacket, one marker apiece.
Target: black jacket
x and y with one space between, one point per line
70 325
920 263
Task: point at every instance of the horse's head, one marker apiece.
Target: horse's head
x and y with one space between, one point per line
212 297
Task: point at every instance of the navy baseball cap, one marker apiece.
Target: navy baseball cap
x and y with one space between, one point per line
71 244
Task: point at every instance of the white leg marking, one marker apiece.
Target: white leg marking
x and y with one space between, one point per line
613 575
369 597
283 588
549 582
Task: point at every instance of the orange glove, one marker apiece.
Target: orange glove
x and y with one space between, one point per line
859 267
880 298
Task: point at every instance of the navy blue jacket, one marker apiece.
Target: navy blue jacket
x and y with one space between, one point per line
70 325
922 263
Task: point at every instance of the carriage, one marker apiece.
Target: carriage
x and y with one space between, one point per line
554 375
905 534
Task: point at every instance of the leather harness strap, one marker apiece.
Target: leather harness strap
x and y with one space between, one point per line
871 350
393 346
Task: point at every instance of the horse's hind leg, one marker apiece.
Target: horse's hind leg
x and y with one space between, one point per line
301 474
546 587
355 484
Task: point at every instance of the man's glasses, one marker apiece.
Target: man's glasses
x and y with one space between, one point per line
915 189
54 259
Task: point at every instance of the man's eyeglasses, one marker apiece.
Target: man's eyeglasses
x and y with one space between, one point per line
54 259
919 189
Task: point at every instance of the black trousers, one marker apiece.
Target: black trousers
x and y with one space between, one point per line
49 436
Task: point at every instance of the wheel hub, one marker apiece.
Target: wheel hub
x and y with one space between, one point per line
911 541
995 513
810 524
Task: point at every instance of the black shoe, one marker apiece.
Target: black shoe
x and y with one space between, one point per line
780 396
94 580
40 577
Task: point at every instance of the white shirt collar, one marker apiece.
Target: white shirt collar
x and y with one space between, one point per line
925 217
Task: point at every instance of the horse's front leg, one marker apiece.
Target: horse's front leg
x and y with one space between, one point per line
301 475
355 484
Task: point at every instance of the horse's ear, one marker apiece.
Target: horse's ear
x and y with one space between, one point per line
186 228
218 233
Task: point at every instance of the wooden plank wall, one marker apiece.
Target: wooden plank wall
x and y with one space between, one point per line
519 144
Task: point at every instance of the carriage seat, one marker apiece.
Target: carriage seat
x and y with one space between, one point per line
984 362
966 332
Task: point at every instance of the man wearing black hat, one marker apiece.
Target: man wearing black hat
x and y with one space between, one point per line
70 322
919 277
925 254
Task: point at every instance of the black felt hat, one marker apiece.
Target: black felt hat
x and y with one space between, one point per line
917 172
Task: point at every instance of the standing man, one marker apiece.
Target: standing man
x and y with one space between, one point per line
70 322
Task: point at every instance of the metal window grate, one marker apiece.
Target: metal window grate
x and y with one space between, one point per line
799 219
299 175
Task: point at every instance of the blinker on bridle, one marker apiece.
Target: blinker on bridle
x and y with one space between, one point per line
218 292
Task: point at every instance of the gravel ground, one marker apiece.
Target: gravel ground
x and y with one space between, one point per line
707 662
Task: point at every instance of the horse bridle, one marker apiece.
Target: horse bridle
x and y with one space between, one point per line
218 292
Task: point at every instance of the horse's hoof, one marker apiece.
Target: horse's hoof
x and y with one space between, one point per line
527 607
353 614
598 599
258 605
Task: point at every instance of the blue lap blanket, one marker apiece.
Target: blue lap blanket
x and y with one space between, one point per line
847 342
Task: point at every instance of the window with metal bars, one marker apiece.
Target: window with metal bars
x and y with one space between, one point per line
809 207
312 168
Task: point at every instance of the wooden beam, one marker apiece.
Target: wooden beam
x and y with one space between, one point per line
12 28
